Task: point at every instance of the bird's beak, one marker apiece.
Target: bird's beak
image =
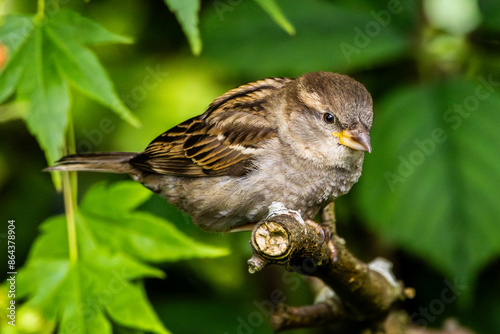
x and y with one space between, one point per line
358 140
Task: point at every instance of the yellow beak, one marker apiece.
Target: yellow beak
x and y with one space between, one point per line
358 140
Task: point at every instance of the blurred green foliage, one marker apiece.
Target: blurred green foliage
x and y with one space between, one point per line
441 177
427 199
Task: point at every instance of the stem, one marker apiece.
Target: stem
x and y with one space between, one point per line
71 149
40 14
69 205
70 184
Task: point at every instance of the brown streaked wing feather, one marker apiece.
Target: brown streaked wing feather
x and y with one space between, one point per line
218 142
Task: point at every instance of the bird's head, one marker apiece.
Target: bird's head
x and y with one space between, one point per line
328 117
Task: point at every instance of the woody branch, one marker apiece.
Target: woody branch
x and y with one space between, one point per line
362 292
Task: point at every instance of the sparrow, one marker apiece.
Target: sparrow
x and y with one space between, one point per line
297 141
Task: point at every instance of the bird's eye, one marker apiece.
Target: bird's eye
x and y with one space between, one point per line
329 118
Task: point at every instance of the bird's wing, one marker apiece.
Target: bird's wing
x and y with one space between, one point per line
221 141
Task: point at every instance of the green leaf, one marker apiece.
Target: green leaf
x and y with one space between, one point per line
149 238
116 200
72 26
272 8
37 83
431 183
81 295
43 59
138 234
102 289
14 34
76 314
187 12
79 65
47 94
12 111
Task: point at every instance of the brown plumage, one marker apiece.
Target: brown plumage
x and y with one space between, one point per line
218 141
296 141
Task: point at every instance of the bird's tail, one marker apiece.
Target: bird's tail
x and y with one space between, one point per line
112 162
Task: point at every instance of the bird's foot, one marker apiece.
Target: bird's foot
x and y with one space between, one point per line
323 230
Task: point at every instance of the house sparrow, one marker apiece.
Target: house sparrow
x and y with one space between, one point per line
298 141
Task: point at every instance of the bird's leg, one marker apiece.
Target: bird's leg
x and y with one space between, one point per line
320 229
328 222
328 217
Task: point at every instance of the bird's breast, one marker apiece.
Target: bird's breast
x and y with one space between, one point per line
223 202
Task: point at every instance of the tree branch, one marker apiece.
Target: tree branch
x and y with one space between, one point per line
362 293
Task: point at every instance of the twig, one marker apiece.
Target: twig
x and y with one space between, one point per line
287 317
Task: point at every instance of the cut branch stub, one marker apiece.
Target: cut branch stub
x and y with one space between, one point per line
272 239
271 243
280 239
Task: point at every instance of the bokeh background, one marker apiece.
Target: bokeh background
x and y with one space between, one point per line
429 196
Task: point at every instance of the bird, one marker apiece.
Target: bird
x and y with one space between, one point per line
297 141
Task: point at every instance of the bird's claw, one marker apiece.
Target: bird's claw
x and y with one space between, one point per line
322 230
326 234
